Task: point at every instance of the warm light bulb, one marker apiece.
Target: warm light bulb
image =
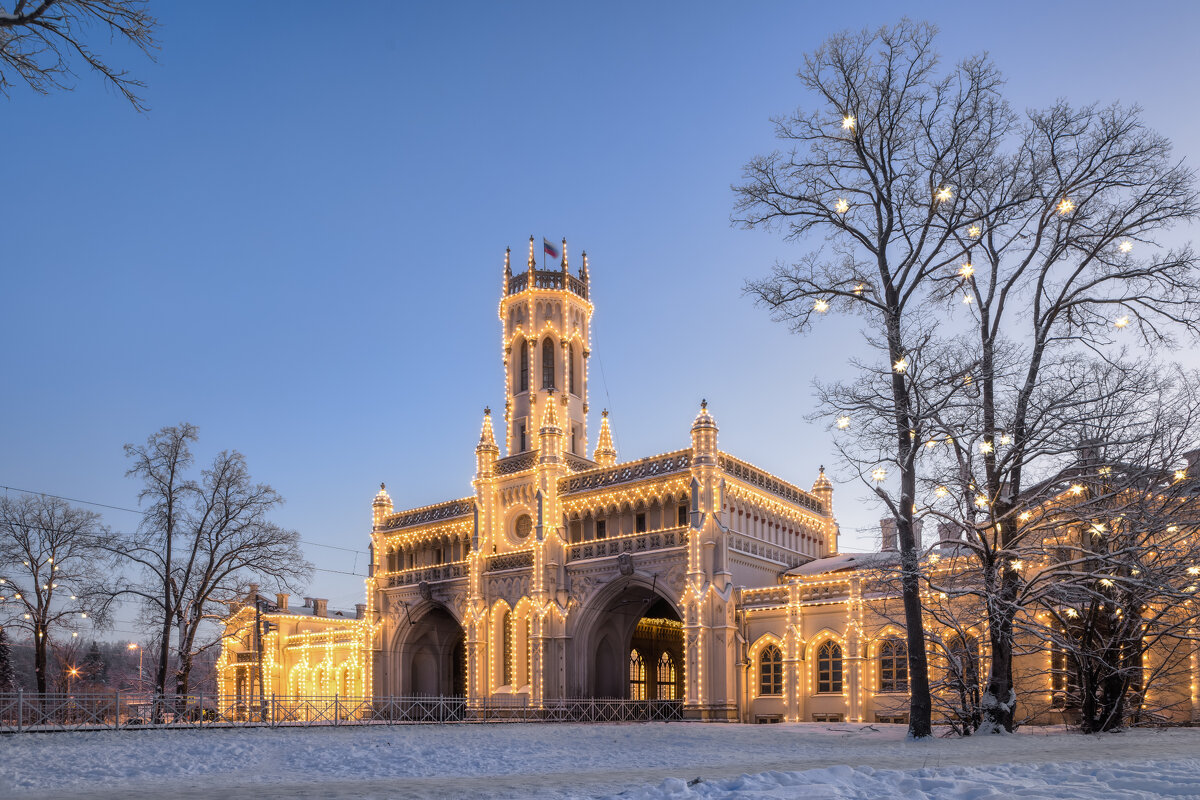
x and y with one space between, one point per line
843 422
944 194
879 473
941 491
1121 322
1076 488
1180 474
858 288
967 300
841 206
930 444
1125 246
1105 582
821 306
848 122
981 501
966 270
985 447
900 366
1066 206
974 231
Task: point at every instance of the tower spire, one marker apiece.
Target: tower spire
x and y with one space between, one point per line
605 454
564 256
531 252
583 271
507 270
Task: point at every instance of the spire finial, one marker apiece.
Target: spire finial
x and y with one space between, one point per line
382 486
605 453
583 271
531 252
704 403
564 257
604 413
507 263
487 412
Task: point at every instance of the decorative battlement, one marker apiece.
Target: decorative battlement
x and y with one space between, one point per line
426 514
548 279
739 469
630 471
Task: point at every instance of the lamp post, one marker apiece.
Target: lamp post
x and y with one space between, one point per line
71 673
136 646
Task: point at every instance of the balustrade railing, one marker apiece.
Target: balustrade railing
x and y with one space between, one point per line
430 574
629 543
25 712
520 560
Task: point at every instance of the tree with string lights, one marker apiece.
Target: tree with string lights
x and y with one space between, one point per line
53 559
873 168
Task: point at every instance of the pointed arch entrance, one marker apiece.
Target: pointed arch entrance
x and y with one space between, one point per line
632 647
432 656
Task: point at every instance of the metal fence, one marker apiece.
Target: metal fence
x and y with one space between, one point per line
21 712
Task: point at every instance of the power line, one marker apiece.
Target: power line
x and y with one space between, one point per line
144 513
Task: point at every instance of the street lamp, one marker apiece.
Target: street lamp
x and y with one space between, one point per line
71 673
136 646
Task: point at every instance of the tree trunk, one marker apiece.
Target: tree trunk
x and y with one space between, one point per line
1000 699
40 644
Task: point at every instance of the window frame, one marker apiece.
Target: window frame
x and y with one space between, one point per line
770 671
828 665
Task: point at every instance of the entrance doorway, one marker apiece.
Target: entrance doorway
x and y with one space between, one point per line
433 657
638 648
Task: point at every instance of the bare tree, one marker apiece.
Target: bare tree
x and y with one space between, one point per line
875 170
52 571
202 543
1060 260
40 40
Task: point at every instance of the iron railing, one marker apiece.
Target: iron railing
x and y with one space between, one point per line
27 712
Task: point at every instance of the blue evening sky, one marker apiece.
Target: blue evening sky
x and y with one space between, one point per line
299 248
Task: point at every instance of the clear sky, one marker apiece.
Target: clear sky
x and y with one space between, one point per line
299 248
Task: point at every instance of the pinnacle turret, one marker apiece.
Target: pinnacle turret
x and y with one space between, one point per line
381 506
605 454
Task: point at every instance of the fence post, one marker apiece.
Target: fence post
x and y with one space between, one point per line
273 714
117 709
20 709
200 708
335 710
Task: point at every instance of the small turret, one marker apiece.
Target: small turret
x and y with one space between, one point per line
551 434
487 451
531 262
704 437
564 256
583 271
823 489
507 267
605 454
381 507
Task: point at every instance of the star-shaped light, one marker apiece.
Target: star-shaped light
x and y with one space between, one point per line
1005 438
941 491
821 306
858 288
943 194
974 231
1121 322
900 366
878 474
1125 246
967 300
843 422
985 447
981 501
842 205
1065 206
848 122
966 270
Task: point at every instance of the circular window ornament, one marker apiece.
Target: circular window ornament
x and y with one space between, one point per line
524 526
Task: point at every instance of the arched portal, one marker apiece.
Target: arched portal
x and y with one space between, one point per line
432 656
634 649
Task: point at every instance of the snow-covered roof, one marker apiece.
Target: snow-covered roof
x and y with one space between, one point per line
845 561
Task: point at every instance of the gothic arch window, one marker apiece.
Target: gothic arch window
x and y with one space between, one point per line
666 677
547 363
506 629
523 376
571 367
770 670
637 675
829 668
893 665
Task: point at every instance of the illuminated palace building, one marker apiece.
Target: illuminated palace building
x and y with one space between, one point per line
690 576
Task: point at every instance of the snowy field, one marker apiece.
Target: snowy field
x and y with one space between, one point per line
651 760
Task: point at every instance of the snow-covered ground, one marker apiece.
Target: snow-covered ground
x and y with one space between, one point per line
653 760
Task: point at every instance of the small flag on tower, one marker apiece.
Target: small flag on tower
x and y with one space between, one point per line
551 249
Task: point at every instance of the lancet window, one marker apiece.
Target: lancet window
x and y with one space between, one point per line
637 675
770 670
666 677
829 668
893 665
547 363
